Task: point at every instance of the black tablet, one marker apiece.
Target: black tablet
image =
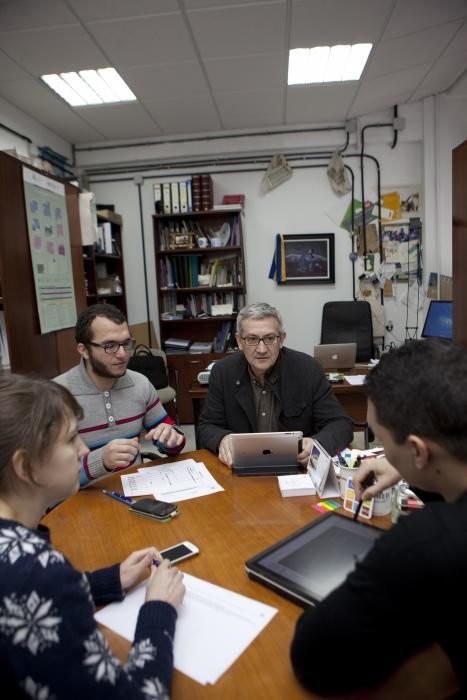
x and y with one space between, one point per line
311 562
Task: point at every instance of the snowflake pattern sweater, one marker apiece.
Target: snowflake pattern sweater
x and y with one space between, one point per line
50 645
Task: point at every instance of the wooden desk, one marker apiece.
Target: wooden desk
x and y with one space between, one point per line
351 397
93 530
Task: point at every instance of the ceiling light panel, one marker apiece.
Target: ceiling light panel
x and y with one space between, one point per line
327 64
90 87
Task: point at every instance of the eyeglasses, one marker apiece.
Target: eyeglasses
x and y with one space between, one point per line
113 348
267 339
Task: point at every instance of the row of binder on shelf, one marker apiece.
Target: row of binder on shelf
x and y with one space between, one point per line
182 271
186 194
105 242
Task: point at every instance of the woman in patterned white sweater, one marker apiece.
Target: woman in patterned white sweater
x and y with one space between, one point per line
50 646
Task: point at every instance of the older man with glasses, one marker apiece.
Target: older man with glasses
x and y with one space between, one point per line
118 403
267 387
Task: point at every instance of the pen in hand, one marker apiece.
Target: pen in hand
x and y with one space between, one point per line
368 481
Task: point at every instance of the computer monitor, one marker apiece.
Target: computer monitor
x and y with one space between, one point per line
438 321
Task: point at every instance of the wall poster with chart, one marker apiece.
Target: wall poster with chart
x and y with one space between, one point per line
49 242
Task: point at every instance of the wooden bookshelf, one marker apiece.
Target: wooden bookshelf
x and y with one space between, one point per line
191 281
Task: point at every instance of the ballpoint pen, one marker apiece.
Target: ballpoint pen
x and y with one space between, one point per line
118 497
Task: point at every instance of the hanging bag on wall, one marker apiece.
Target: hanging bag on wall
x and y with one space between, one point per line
152 366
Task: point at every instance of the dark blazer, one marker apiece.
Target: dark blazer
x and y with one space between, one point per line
305 396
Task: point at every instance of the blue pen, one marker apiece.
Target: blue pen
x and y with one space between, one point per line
119 497
155 562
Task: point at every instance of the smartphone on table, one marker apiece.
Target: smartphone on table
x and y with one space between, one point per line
180 551
152 508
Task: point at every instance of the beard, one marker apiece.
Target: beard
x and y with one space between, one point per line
101 370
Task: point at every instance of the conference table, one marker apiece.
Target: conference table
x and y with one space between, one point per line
93 531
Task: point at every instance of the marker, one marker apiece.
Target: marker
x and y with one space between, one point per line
155 562
118 497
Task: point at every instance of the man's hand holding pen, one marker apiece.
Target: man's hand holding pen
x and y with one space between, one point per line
374 476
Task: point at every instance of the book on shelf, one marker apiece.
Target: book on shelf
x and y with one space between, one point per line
177 343
200 346
228 207
296 485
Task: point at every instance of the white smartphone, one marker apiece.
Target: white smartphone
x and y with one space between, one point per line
180 551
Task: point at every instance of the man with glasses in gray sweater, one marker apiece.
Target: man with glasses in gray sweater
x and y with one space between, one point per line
118 403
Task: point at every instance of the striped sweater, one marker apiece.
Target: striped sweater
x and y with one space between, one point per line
129 408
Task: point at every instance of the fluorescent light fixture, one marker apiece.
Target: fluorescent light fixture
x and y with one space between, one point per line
90 87
327 64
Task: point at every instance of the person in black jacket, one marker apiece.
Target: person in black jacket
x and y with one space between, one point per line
408 593
267 387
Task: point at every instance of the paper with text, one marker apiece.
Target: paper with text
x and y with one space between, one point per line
214 626
171 481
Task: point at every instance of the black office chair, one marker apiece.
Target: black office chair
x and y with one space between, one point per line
349 322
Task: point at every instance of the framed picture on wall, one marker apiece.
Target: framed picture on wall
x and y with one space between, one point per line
308 258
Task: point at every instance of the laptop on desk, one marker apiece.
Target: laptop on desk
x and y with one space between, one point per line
266 454
336 355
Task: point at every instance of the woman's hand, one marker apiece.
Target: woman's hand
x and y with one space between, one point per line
165 584
135 565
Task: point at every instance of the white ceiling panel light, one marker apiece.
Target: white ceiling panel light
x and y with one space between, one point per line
327 64
90 87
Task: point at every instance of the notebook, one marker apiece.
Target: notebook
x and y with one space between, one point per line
336 355
266 454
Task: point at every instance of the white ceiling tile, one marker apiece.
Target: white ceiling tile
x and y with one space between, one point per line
30 14
243 45
371 104
393 83
443 74
132 42
35 100
459 42
119 121
397 54
168 81
9 70
243 110
89 10
460 88
185 115
211 4
239 31
53 50
248 72
414 15
330 22
319 103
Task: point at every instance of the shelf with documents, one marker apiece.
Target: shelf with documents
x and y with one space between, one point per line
200 273
103 263
200 286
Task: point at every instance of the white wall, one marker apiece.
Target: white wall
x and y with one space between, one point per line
305 204
23 124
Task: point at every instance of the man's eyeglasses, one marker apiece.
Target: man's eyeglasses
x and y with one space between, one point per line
255 340
113 348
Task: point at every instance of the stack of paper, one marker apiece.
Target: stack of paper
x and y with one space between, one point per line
214 626
296 485
172 481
